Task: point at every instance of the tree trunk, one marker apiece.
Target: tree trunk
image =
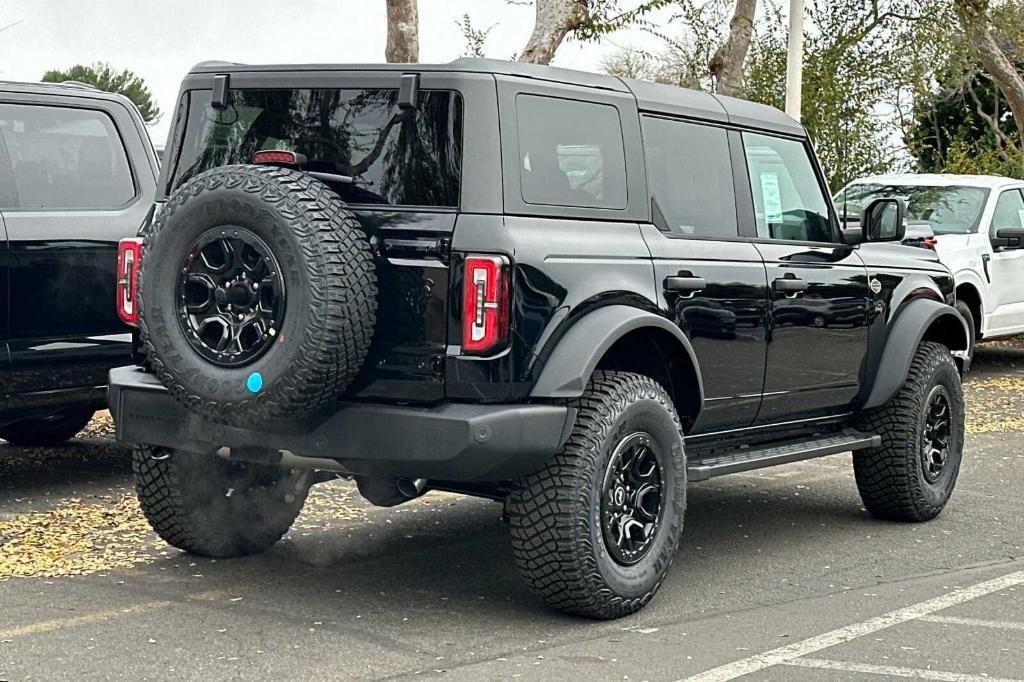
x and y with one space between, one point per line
727 64
403 32
974 17
555 20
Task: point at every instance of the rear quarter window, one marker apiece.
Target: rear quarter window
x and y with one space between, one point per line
571 153
62 158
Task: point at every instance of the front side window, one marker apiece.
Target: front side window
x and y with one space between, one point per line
946 209
689 172
789 203
1009 211
407 157
571 153
62 158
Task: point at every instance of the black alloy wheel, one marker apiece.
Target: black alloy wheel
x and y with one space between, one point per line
631 498
231 296
935 439
911 475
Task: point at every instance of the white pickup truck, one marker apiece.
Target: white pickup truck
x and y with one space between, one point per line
977 229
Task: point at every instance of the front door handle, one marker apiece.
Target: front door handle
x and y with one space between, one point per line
790 285
685 283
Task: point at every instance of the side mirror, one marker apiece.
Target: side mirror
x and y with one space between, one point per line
884 220
1008 238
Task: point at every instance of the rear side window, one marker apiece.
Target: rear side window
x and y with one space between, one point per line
789 203
396 156
690 174
62 158
571 153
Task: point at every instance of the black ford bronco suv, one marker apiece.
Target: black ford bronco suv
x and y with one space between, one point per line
569 292
77 175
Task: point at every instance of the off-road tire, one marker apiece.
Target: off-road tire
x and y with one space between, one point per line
189 500
46 431
329 278
972 328
891 478
555 513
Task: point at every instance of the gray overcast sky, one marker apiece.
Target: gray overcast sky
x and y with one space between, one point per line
160 40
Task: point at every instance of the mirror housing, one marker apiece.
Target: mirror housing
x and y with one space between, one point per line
1008 239
851 236
884 220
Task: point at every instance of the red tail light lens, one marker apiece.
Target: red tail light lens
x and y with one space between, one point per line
929 242
129 258
278 157
485 304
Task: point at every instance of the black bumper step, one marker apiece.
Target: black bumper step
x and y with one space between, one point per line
784 453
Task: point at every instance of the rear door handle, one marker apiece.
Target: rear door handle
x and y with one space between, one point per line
685 283
790 285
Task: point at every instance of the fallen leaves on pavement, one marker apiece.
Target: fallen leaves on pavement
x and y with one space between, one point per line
994 404
75 537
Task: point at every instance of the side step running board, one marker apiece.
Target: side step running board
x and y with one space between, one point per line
783 453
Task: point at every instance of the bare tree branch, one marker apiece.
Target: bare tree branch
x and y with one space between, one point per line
974 17
403 32
727 64
555 20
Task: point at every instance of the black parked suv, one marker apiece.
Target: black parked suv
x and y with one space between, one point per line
77 174
569 292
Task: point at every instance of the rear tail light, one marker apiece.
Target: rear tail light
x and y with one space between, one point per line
129 258
275 157
929 242
485 304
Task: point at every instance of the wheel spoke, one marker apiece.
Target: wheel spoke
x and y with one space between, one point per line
230 295
631 499
199 285
937 431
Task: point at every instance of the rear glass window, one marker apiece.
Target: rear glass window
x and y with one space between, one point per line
571 153
61 158
396 156
689 172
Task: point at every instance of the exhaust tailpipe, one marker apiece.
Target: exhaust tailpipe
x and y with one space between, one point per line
388 492
411 487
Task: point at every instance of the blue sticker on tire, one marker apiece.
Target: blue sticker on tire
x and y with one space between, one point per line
254 383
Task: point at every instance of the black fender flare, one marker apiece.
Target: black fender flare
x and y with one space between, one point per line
905 334
568 368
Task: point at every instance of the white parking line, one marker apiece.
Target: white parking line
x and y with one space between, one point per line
974 622
809 646
866 669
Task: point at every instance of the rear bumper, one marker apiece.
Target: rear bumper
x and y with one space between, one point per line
450 442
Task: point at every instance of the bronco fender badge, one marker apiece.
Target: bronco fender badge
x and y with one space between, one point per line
874 285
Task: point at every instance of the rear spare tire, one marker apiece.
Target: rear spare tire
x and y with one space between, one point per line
257 295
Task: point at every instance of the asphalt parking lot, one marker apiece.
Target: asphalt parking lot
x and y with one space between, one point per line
781 576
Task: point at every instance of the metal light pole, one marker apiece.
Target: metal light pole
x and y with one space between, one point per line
795 59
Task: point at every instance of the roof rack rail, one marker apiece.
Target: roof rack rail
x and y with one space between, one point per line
79 84
216 62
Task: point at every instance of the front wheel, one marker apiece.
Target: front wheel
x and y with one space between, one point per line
595 531
213 507
912 475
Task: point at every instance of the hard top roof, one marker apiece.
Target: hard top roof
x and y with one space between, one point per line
71 89
652 97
